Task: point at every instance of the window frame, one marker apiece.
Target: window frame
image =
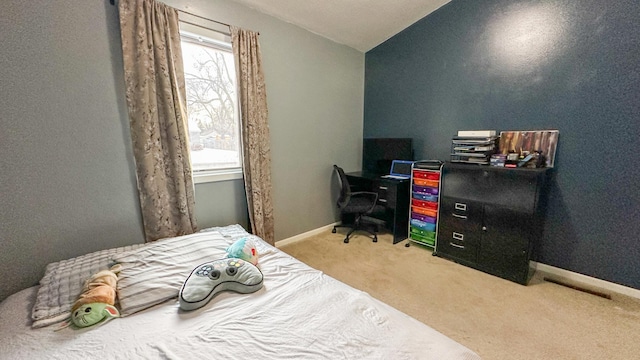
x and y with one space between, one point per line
222 174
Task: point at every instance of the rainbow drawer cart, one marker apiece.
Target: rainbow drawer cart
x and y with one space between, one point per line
423 213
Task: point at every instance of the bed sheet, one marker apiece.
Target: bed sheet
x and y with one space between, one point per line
300 313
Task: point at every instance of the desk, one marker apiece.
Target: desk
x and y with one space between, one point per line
393 195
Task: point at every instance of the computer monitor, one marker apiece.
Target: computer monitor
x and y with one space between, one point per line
378 153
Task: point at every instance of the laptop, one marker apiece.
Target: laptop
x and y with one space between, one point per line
400 169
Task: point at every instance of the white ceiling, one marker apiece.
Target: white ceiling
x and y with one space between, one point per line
360 24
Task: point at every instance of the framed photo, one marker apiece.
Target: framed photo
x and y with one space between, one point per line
545 141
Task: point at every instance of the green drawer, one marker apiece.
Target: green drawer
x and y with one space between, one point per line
423 233
423 239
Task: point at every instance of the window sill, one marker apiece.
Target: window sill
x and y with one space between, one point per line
202 177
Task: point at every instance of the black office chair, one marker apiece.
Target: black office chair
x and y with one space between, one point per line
358 204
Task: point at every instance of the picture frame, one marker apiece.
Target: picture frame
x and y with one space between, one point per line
545 141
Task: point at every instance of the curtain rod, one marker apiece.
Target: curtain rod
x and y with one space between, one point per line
113 2
204 27
202 17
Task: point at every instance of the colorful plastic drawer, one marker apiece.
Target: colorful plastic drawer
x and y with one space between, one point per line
423 239
423 211
424 182
425 204
423 225
429 234
426 197
424 218
415 232
426 189
426 175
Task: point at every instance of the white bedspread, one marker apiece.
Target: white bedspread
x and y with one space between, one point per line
300 313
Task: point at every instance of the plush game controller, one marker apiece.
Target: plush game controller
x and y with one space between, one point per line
209 279
244 249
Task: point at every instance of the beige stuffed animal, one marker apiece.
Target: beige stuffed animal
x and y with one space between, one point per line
101 287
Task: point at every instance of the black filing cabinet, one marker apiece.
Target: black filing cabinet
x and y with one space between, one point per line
491 218
393 195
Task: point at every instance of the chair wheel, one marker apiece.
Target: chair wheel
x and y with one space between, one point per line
407 245
375 239
346 241
333 231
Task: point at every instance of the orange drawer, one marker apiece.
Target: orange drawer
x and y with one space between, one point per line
424 211
418 174
425 182
425 204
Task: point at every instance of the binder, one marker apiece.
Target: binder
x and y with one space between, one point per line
473 149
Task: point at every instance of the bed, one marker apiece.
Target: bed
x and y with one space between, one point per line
300 313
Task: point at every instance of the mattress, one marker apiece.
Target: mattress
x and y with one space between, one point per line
300 313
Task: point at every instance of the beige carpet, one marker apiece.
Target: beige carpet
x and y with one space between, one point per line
496 318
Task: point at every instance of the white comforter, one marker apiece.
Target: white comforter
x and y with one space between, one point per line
300 313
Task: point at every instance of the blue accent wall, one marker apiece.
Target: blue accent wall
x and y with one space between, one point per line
568 65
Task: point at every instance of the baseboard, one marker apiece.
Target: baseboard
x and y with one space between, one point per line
588 280
303 236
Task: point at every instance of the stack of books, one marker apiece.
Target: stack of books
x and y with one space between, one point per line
474 147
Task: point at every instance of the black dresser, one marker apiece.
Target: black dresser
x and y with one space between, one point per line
490 218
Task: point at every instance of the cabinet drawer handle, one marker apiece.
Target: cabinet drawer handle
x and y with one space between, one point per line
458 236
382 200
461 206
382 187
459 216
456 245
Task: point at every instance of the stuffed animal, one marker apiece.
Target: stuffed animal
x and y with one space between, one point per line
95 304
244 249
93 313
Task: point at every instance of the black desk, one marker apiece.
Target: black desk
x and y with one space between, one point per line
393 195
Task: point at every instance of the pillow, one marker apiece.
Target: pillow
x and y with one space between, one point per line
63 281
236 232
155 273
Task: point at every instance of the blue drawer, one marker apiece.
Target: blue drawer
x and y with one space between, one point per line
423 225
425 196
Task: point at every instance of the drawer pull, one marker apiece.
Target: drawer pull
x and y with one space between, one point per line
456 245
382 187
382 200
458 236
460 216
461 206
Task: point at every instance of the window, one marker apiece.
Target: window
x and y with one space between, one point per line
213 121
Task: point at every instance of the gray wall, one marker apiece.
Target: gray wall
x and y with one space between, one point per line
526 65
67 182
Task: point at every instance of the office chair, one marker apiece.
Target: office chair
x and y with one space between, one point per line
358 204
